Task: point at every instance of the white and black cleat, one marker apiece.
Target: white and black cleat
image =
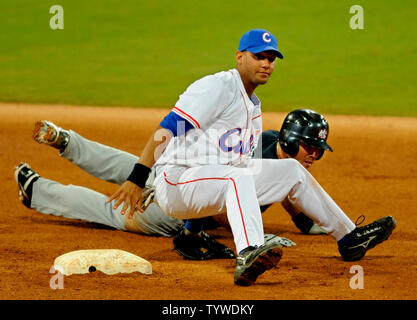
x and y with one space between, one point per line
25 177
48 133
252 261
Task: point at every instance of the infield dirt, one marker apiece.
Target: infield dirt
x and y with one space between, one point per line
372 171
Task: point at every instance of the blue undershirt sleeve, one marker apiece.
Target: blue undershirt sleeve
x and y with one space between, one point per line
176 124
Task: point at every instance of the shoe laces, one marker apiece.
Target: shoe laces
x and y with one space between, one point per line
357 222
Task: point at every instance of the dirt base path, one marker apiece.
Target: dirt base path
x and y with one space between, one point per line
373 171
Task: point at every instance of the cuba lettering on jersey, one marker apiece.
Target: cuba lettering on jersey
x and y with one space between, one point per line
230 142
227 123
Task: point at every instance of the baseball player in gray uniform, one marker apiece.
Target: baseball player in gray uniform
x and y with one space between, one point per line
76 202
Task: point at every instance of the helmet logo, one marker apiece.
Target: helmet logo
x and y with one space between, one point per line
323 134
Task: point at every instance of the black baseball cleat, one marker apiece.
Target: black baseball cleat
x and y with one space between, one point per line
25 177
215 249
354 245
253 261
200 247
186 246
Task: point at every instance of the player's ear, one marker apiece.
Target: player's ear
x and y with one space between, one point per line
289 144
239 55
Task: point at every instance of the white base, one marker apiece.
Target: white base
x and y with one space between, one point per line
108 261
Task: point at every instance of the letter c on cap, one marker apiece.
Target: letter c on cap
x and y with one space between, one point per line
266 37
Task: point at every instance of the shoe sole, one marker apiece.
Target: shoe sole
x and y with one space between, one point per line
264 262
41 135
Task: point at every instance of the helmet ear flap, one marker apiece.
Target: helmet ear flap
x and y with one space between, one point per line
289 144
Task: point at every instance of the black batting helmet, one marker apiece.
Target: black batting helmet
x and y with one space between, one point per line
307 126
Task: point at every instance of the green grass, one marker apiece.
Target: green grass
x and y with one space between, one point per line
145 53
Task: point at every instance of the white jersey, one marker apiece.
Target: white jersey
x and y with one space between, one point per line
227 123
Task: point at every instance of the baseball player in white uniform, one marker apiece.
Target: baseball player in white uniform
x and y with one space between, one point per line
203 166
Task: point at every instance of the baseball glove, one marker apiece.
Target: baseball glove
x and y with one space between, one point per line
200 247
148 197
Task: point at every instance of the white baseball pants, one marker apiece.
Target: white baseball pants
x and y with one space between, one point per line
197 192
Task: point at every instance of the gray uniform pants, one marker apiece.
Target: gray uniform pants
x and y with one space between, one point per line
75 202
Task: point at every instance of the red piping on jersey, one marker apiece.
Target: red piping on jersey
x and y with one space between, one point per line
193 121
247 110
257 117
247 117
237 196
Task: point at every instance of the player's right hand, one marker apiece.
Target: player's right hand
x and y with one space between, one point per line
130 195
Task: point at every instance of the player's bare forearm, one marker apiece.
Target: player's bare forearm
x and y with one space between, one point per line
130 194
155 146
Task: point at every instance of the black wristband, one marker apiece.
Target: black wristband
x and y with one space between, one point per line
139 175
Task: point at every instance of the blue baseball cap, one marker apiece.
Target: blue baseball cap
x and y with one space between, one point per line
259 40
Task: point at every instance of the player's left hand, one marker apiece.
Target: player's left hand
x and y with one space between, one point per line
130 195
